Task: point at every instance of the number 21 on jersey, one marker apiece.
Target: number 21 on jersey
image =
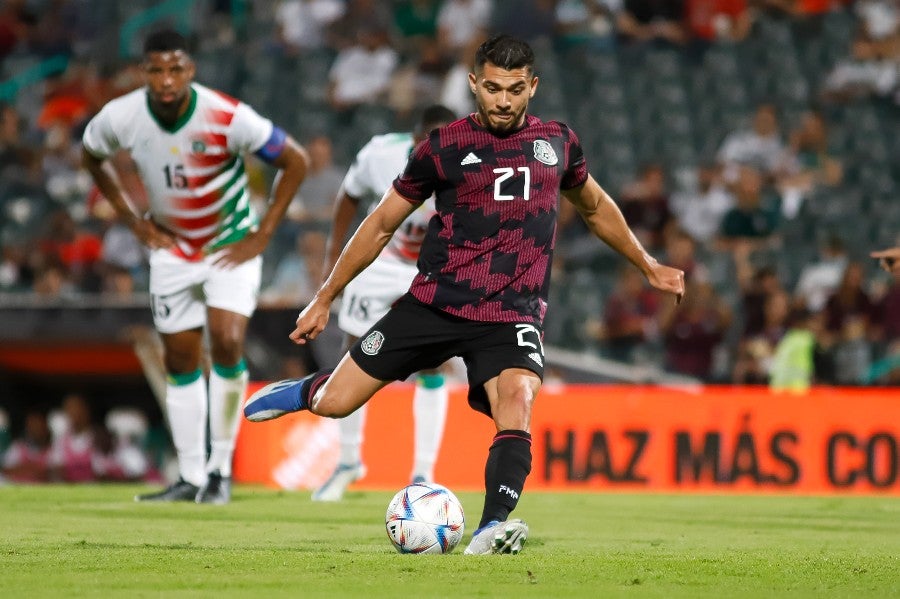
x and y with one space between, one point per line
504 173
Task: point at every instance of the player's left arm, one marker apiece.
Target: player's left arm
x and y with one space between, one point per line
605 220
284 153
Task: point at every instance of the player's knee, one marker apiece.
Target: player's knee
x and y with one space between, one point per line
327 403
227 348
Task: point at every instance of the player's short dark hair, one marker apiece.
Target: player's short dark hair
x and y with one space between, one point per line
433 117
506 52
165 40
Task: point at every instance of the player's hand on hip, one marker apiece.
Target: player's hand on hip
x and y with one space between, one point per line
311 322
240 251
666 278
151 234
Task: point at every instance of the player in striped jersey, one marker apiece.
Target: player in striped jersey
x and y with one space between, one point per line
205 240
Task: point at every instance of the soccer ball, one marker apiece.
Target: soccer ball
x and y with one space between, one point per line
425 518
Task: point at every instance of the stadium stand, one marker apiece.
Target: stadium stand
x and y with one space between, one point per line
633 104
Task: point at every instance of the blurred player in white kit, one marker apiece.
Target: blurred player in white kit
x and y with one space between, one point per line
370 295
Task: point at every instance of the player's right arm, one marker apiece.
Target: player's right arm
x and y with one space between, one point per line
104 176
362 249
99 142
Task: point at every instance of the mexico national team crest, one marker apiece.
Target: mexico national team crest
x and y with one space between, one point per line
371 345
543 151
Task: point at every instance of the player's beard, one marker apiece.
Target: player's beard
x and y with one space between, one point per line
501 127
168 109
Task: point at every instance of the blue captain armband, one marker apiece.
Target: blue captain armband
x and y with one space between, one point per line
273 148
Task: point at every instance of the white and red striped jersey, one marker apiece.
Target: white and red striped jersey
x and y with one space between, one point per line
193 171
373 171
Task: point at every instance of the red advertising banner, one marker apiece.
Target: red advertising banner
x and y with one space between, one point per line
608 438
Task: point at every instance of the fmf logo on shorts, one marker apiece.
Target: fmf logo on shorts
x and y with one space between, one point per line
371 345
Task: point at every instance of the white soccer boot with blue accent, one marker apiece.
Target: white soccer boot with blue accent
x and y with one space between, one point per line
342 477
274 400
498 537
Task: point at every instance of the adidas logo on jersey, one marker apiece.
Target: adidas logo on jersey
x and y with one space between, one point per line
537 358
470 158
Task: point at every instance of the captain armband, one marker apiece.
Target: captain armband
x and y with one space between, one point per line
273 148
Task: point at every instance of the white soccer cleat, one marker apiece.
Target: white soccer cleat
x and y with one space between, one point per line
342 477
498 537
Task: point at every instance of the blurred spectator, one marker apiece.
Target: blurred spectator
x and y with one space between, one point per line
710 21
11 142
793 361
759 147
51 280
15 22
66 181
755 351
756 285
871 69
72 453
701 208
645 205
532 21
115 460
312 206
750 222
300 25
850 301
298 274
587 23
13 274
645 21
810 166
117 283
359 15
819 280
417 84
123 251
76 249
416 22
629 317
460 22
361 74
455 91
27 460
693 329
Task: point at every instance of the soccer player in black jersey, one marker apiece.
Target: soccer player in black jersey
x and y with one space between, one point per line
484 272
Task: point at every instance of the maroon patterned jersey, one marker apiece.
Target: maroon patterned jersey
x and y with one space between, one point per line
488 249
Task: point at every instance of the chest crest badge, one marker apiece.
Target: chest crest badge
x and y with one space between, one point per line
543 152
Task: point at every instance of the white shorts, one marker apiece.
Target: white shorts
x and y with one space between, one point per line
180 290
369 296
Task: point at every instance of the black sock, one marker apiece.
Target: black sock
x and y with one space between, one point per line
508 464
310 384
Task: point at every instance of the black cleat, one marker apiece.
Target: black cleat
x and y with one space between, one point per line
217 489
180 490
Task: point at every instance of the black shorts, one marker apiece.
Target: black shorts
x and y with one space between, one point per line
413 336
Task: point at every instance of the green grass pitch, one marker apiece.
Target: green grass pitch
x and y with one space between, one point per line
94 541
